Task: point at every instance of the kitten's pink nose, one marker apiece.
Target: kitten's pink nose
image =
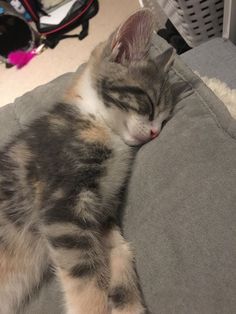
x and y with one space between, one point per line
154 133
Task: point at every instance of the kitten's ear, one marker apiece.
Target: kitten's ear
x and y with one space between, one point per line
132 40
165 60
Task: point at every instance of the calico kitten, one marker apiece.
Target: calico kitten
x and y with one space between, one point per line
60 179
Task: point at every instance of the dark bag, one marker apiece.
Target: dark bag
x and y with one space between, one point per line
79 14
17 34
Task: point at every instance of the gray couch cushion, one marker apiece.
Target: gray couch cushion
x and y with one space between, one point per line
180 211
215 58
15 116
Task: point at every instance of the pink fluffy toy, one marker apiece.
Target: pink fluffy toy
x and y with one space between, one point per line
20 58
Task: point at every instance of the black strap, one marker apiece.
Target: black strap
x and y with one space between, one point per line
84 31
53 41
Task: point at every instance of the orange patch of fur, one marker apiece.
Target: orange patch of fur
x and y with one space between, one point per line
121 258
83 296
20 153
39 188
57 122
96 133
7 267
12 262
72 93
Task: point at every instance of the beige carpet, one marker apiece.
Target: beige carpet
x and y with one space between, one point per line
67 56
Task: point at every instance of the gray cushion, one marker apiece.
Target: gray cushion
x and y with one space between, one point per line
180 212
14 117
215 58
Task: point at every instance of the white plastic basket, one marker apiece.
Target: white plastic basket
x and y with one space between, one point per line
196 20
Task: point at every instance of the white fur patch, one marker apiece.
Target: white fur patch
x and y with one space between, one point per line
90 103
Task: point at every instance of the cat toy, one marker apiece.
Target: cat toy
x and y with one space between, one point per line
20 58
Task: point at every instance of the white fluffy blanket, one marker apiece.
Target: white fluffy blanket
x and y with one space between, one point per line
223 92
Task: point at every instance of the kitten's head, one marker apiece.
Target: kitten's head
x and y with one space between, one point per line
133 87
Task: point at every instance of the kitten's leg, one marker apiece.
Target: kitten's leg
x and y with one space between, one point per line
81 258
23 269
124 292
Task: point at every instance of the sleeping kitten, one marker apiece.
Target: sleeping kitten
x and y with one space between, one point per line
61 179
